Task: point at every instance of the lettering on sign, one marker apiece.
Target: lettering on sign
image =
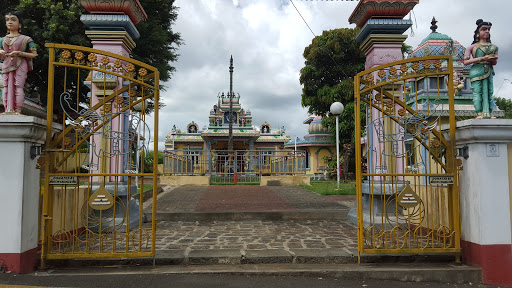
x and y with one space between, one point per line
441 179
63 180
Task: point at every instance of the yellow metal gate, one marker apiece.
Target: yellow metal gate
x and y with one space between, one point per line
97 167
407 194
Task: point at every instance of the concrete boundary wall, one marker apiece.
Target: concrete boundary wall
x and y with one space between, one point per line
285 180
184 180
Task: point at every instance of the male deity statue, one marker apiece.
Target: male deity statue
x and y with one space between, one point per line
17 51
483 55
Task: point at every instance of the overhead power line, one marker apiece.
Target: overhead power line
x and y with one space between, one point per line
330 56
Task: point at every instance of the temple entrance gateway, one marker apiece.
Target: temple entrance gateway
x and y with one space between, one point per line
408 200
97 170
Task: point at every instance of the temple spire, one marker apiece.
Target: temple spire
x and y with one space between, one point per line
230 139
231 75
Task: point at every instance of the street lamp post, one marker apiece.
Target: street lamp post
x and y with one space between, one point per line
336 109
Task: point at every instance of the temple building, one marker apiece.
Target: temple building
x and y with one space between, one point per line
318 147
264 139
259 149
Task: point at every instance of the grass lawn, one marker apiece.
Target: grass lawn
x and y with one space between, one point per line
146 187
329 188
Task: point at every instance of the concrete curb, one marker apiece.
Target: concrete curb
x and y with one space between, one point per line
338 214
428 272
265 256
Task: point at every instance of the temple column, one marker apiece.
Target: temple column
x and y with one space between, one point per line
251 149
112 28
209 148
381 37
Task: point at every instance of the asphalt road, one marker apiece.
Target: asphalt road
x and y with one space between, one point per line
206 280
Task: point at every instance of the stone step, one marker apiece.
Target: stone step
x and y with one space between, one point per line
444 272
260 256
338 214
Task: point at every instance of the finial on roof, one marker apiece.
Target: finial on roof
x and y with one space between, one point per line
434 26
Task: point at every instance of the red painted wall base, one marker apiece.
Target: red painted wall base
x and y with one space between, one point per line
25 262
495 261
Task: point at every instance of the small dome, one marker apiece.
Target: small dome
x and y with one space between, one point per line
436 36
315 127
439 44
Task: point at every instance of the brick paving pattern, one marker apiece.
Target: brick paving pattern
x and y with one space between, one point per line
232 198
180 199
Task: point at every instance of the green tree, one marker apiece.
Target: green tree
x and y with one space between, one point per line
505 105
49 21
158 43
332 61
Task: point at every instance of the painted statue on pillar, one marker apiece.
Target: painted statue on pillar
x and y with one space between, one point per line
483 55
17 51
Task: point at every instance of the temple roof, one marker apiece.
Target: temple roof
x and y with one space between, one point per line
436 36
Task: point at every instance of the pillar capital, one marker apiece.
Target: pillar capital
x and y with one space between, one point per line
132 8
375 9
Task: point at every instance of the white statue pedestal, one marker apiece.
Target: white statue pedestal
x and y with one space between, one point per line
19 191
486 197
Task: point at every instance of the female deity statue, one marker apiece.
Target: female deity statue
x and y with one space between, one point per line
483 55
17 50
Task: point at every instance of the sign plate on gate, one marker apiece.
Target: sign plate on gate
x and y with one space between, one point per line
441 179
63 180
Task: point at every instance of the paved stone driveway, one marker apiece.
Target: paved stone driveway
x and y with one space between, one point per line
255 234
185 237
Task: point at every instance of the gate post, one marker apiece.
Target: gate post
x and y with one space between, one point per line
486 197
19 207
113 30
381 37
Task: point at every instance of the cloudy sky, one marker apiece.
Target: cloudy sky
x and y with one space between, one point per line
267 39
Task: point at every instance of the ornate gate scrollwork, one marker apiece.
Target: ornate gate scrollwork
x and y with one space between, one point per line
408 199
97 169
